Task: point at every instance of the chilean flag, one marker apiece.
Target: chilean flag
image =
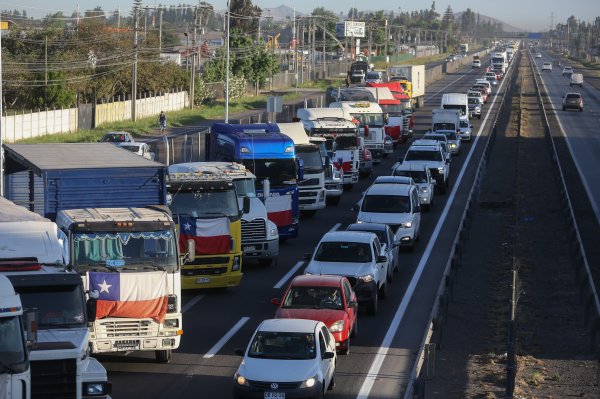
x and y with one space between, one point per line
210 235
279 210
137 295
343 160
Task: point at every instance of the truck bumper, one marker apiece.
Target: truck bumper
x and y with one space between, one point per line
212 272
311 199
261 250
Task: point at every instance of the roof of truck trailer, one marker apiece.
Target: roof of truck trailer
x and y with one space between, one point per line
61 156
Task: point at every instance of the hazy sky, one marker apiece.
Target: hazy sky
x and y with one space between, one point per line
525 14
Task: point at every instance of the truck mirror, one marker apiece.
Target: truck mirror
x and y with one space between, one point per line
266 189
90 306
169 199
246 205
30 317
386 118
190 250
300 169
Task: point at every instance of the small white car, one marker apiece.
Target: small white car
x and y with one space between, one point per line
465 129
484 82
476 64
396 205
287 358
474 107
433 158
538 55
422 178
138 148
567 71
546 66
360 257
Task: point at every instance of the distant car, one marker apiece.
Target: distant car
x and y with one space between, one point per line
572 100
567 71
492 78
546 66
434 159
474 107
477 95
117 137
326 298
538 55
482 89
476 64
576 80
287 358
499 74
141 149
465 129
374 77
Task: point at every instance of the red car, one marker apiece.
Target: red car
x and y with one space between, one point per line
325 298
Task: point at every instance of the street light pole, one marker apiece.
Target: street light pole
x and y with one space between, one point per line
227 70
1 120
135 57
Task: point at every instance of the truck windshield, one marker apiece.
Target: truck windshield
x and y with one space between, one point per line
59 306
392 109
345 143
280 172
497 60
311 156
386 204
144 250
444 126
373 120
245 187
206 204
12 345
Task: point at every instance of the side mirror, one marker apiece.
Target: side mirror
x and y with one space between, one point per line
90 306
307 256
447 160
275 301
30 316
190 251
239 351
266 189
246 205
386 118
300 169
381 258
328 355
355 208
471 126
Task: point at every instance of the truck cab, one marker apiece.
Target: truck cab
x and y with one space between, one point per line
334 177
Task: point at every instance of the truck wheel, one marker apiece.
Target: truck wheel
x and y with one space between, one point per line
333 200
163 356
265 261
374 305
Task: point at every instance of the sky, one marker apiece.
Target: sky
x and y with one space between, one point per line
531 15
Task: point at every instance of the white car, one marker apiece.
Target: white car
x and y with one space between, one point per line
474 107
141 149
538 55
476 64
396 205
422 178
486 83
433 158
546 66
465 129
360 257
287 358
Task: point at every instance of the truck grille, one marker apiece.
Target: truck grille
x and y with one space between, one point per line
253 230
212 271
210 260
309 182
124 328
54 379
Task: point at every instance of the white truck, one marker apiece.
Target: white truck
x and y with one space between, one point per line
15 374
415 75
499 61
463 48
447 122
312 195
371 124
336 126
459 101
31 257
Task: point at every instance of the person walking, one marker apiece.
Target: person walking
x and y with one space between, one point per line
162 122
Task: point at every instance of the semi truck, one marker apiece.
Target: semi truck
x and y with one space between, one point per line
110 206
16 338
406 107
358 71
270 155
205 208
31 257
412 79
312 194
499 61
463 48
334 177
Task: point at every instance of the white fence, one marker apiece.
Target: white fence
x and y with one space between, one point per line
146 106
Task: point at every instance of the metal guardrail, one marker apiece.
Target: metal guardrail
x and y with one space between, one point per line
585 280
416 383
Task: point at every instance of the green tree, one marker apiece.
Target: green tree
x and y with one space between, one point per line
244 16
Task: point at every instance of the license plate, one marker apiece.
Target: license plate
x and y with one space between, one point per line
249 248
126 347
274 395
202 280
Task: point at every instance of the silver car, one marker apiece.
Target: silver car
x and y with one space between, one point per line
422 178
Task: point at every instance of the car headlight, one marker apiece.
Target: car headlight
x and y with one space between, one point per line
407 224
424 190
452 145
337 326
97 388
358 221
240 379
309 383
236 264
441 170
367 278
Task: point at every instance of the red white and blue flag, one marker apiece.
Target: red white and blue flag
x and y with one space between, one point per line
135 295
211 236
279 210
342 159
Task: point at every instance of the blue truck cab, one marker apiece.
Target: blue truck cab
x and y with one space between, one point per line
270 155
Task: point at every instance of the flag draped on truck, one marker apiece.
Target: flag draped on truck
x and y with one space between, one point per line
279 209
211 236
136 295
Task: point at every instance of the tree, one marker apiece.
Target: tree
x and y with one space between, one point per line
244 16
448 19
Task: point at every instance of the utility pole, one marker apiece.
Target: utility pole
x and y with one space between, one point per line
387 37
324 57
314 46
160 14
135 58
370 41
227 70
46 71
193 69
1 117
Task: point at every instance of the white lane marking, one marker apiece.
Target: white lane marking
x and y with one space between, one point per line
215 349
191 303
289 274
335 227
373 372
584 181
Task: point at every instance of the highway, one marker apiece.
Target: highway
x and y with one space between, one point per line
579 128
382 355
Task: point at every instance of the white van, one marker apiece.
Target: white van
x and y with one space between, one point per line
455 101
476 64
576 80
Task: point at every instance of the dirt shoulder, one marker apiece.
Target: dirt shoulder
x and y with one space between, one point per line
518 221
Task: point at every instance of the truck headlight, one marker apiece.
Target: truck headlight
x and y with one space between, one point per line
367 278
407 224
273 232
236 264
337 326
171 323
97 388
441 170
452 145
424 190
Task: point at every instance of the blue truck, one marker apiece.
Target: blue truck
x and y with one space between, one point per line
270 155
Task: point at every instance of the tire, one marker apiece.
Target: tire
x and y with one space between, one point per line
383 291
374 305
580 109
426 208
331 383
346 351
479 116
265 261
163 356
333 200
390 276
321 393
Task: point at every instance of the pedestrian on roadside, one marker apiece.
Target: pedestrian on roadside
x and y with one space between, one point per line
162 121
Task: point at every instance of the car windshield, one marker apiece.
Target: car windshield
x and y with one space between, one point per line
12 345
372 120
245 187
423 156
473 100
144 250
59 306
419 176
301 297
283 345
132 148
443 126
205 204
345 252
386 204
311 156
380 233
280 172
573 97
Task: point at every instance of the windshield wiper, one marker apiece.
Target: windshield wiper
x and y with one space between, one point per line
214 213
107 267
